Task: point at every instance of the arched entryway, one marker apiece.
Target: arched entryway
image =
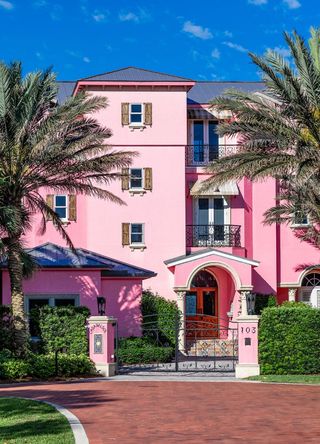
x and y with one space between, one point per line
310 289
202 305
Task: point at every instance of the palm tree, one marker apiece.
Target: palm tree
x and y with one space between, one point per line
279 132
45 146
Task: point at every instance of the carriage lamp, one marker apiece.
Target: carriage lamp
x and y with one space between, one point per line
101 301
251 302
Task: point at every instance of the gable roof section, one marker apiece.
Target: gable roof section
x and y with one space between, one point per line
51 256
208 252
133 74
204 92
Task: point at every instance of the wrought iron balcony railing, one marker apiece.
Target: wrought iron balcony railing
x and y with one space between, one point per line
200 155
213 236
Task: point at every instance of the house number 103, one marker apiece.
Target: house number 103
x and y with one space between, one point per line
248 330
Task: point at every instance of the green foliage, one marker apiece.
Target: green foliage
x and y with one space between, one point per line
289 339
264 301
6 328
43 366
14 369
64 327
161 315
143 350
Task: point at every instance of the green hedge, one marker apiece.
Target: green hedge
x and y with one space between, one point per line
43 366
6 328
263 301
160 315
64 327
289 339
142 350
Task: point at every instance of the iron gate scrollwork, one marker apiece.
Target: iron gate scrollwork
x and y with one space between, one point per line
206 344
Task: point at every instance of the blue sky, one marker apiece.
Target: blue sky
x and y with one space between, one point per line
206 40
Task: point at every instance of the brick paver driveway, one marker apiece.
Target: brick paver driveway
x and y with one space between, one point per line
186 412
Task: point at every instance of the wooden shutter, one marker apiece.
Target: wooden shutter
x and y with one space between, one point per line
148 179
125 179
125 113
148 113
125 234
49 202
72 207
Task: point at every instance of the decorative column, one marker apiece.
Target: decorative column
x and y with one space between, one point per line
292 294
181 302
102 343
243 298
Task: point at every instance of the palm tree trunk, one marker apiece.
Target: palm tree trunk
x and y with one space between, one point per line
15 268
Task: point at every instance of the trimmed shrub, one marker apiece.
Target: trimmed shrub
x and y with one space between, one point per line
289 339
14 369
160 315
263 301
142 351
64 327
43 366
6 328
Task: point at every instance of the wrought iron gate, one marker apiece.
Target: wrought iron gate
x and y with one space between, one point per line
206 344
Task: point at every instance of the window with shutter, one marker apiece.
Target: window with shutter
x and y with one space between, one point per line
125 179
72 216
125 113
125 234
49 202
306 296
148 113
148 179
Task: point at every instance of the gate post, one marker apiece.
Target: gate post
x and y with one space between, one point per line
102 343
248 364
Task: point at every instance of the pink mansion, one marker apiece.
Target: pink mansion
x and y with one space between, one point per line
205 249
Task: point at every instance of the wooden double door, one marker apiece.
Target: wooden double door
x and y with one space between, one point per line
202 312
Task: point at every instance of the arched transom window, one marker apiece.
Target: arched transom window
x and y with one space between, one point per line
311 280
203 279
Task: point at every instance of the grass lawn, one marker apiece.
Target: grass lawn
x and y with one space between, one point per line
31 422
304 379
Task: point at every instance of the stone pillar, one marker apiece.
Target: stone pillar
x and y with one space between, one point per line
181 302
248 364
292 294
243 298
102 343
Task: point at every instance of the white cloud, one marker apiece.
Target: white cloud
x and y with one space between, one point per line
197 30
258 2
6 5
86 59
284 52
292 4
137 17
235 46
99 16
215 53
228 34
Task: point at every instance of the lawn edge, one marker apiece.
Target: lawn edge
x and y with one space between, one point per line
79 433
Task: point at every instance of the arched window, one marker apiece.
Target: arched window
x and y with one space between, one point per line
311 280
203 279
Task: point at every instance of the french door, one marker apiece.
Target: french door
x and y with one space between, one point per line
210 219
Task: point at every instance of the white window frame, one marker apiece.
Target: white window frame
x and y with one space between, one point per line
141 244
63 219
297 225
314 296
139 189
139 124
226 206
51 297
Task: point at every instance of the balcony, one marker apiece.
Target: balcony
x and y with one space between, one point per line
213 236
201 155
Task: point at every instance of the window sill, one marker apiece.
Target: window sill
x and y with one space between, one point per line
293 226
134 191
140 247
139 126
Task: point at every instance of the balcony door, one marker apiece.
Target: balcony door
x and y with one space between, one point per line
210 217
